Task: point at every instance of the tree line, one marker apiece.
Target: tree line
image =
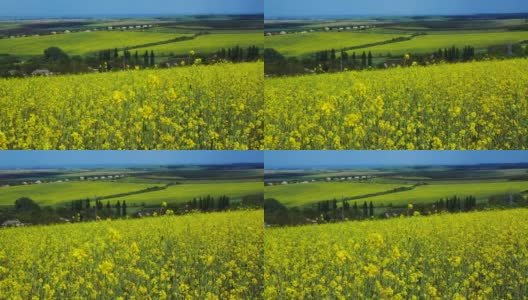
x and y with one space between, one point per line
333 60
238 54
456 204
329 210
110 59
57 61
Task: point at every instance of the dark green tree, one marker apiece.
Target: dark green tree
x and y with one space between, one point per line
124 209
364 60
146 58
118 208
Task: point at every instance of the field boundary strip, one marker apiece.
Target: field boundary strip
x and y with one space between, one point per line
391 41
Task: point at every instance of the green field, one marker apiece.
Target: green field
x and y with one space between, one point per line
60 192
309 193
434 192
432 42
308 43
209 43
81 42
186 192
306 194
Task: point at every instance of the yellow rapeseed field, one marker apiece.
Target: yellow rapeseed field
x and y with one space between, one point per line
199 256
198 107
481 255
477 105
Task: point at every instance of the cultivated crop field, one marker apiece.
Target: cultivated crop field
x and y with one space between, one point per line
208 43
427 194
62 193
205 256
82 42
430 43
199 107
477 105
309 43
309 193
185 192
480 255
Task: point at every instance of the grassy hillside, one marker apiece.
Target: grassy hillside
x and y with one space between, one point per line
304 194
59 192
185 192
79 43
432 42
451 256
308 43
209 43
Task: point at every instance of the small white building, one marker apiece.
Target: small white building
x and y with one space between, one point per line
12 223
284 182
41 72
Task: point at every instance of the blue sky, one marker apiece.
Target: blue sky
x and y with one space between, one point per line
53 8
275 8
30 159
307 159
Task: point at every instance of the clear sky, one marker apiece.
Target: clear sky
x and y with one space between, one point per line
309 159
285 8
34 159
55 8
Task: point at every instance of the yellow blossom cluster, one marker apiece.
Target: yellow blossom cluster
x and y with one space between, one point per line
480 255
477 105
200 107
196 256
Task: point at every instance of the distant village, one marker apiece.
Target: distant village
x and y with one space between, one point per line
108 28
327 179
80 178
325 29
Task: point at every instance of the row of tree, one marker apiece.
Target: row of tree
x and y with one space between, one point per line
336 61
126 58
454 54
98 208
238 54
209 203
456 204
330 210
57 61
